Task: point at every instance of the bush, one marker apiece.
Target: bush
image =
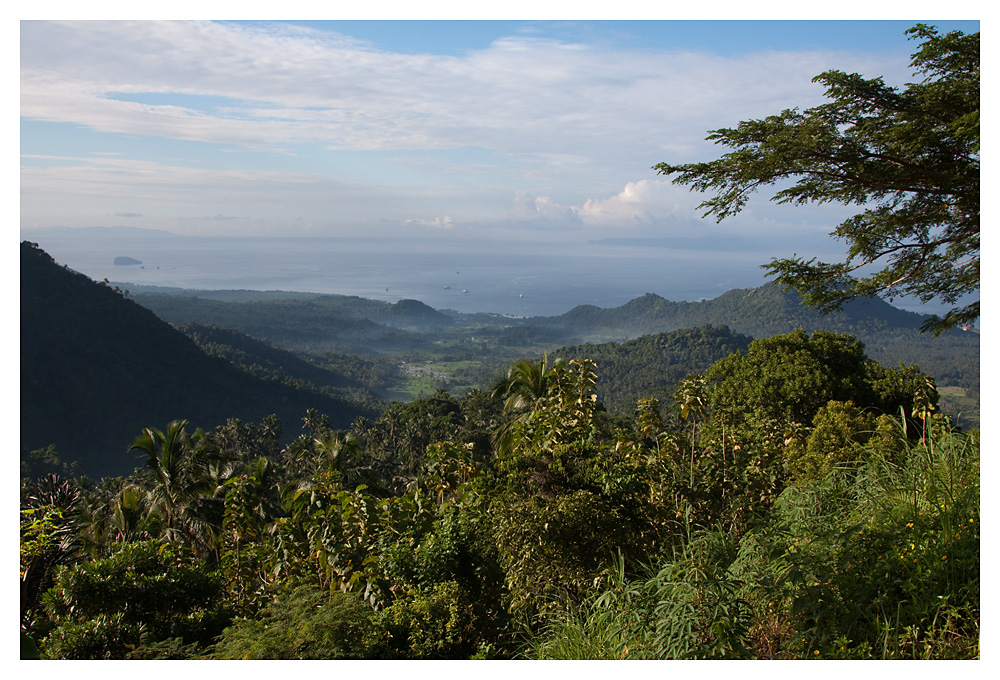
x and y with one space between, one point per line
302 622
430 623
140 594
879 561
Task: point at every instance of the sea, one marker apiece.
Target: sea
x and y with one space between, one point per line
498 278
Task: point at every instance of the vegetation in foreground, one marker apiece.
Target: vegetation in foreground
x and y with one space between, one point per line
796 501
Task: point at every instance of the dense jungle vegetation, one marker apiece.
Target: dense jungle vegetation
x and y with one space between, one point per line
796 501
677 490
786 497
793 499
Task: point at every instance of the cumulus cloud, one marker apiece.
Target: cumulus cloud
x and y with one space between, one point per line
639 203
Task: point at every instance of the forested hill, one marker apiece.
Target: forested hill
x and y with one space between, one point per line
890 335
351 377
315 324
96 368
653 365
759 312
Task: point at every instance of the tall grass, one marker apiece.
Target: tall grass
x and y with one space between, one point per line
686 608
879 559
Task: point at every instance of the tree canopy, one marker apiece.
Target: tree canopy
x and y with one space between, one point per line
909 158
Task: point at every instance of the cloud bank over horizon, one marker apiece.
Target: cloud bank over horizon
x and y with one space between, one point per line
276 128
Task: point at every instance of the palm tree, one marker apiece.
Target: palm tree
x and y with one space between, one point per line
339 452
525 385
181 466
522 391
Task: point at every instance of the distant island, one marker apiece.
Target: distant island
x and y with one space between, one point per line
121 260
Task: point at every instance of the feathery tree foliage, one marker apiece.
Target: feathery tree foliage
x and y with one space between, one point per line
909 158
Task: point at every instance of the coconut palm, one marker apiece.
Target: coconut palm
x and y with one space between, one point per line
525 384
523 389
180 466
339 452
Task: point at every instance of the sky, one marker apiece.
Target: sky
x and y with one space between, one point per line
540 132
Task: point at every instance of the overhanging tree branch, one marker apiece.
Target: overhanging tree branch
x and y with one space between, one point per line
911 156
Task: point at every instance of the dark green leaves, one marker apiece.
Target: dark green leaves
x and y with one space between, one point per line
909 158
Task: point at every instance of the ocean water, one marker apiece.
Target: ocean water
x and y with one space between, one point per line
496 278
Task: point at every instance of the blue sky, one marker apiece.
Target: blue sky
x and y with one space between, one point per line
534 131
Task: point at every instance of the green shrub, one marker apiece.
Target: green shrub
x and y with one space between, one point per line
879 561
142 593
303 622
428 623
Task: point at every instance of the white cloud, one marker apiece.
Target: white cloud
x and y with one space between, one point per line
436 223
657 208
542 209
292 85
563 127
643 202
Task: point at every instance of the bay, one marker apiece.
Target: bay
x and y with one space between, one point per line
502 278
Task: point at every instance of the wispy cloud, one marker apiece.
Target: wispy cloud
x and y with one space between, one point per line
570 124
290 84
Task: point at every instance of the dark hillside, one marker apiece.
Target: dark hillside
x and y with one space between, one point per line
96 368
408 314
354 378
651 366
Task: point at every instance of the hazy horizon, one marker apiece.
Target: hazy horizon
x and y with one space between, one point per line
501 280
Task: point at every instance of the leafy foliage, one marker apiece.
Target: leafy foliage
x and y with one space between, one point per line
108 608
838 433
304 622
909 158
569 500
